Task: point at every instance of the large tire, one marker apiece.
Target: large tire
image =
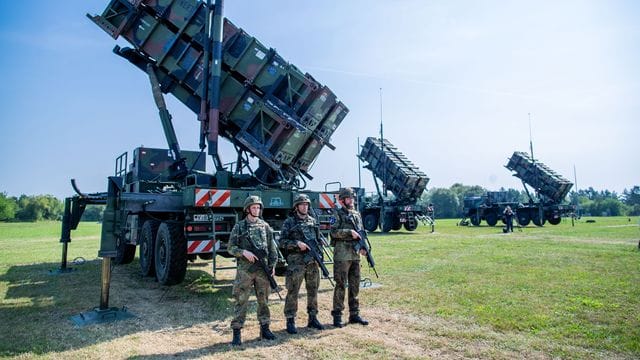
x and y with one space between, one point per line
387 224
371 222
124 252
492 219
170 254
147 247
397 225
554 221
535 217
411 224
475 220
523 218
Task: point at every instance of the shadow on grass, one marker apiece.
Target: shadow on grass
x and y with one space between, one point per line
36 308
247 343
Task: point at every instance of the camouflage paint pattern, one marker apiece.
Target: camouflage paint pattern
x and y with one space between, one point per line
300 265
346 262
346 274
244 236
267 105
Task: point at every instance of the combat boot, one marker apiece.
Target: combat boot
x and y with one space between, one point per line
291 326
314 323
265 333
236 338
356 319
337 321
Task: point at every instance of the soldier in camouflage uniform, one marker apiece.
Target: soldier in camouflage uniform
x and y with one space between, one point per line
248 236
299 233
346 262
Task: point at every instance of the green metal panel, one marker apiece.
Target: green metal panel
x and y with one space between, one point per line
153 164
258 87
398 173
547 182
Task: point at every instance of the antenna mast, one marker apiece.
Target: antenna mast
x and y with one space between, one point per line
384 181
530 138
359 164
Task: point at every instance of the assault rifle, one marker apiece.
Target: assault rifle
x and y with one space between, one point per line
317 257
262 264
363 243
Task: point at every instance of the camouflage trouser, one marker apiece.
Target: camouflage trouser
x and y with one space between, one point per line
344 271
244 284
310 273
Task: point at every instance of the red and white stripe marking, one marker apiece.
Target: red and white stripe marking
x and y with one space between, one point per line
213 198
327 201
202 246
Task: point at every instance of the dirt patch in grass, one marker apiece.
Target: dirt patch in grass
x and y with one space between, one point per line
192 321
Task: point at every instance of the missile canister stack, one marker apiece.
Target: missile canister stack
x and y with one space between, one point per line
400 176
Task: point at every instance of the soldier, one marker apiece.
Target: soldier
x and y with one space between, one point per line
346 262
250 236
299 233
508 218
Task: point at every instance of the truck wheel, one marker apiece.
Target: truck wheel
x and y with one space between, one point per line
475 220
124 252
536 218
147 248
396 224
170 254
554 221
491 219
371 222
411 225
523 218
387 224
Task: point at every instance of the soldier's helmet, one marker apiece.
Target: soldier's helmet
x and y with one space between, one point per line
250 200
300 199
345 193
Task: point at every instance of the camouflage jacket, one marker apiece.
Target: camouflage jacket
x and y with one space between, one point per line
246 235
341 234
295 229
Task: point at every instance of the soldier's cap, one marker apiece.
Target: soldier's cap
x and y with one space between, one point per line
300 199
345 193
250 200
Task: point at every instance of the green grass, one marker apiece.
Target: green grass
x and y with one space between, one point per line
573 292
576 286
39 242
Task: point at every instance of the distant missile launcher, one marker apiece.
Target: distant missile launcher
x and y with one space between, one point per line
398 173
402 178
540 177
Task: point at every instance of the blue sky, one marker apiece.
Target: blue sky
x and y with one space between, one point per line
458 80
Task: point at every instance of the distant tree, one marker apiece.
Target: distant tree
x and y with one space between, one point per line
93 213
445 202
462 190
8 207
38 207
631 198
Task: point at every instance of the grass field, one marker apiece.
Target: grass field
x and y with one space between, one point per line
461 292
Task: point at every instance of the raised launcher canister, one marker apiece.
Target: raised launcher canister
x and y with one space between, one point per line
537 175
400 175
268 107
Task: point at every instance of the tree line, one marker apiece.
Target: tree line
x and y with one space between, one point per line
40 207
589 202
448 203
